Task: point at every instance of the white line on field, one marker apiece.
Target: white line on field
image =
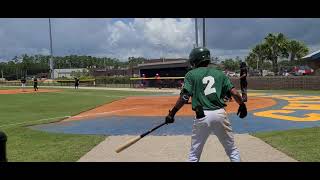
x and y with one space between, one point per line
115 96
36 121
69 117
105 112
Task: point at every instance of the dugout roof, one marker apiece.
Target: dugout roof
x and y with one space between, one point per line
164 64
312 56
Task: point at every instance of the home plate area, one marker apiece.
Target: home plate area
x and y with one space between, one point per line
129 117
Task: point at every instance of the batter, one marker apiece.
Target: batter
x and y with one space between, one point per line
208 86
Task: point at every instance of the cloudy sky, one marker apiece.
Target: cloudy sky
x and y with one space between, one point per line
150 37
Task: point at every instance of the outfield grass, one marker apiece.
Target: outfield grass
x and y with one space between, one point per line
300 144
20 110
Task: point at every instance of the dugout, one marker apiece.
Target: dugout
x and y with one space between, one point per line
169 70
165 68
313 60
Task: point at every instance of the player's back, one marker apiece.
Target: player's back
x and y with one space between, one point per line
208 86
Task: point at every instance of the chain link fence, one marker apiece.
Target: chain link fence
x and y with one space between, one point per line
263 83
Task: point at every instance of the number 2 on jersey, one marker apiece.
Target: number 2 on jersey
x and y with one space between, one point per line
209 80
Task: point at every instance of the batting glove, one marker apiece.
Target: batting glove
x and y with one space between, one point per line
170 118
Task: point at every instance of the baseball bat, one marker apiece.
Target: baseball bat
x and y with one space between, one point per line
136 139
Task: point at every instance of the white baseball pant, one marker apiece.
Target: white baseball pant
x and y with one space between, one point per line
217 122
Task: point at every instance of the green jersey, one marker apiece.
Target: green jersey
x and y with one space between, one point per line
207 87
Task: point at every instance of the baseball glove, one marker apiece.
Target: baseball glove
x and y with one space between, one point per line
242 111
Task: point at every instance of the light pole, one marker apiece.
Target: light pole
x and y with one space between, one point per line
204 32
162 50
51 53
196 30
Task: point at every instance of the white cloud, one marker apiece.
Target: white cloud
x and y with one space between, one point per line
224 54
150 37
147 37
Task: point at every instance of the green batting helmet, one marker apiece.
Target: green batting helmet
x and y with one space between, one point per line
199 55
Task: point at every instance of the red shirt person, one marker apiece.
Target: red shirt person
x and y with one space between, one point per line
158 81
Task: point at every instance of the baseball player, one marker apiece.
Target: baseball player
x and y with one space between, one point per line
243 81
208 86
76 83
23 83
35 84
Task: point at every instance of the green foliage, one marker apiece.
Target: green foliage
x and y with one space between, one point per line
33 65
297 50
274 47
132 61
231 65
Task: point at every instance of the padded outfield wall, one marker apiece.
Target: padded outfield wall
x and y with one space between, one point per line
280 82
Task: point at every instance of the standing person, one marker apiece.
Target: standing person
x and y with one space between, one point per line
76 83
208 86
243 80
23 84
35 84
143 82
158 81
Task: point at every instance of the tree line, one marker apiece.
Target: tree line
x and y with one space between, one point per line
33 65
274 53
275 47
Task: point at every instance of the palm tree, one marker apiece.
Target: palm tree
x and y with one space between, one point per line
259 52
275 47
297 50
251 60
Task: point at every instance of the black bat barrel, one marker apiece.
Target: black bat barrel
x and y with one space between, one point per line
3 141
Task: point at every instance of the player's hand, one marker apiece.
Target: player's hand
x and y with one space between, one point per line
169 118
242 111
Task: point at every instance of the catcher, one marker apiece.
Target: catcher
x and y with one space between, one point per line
208 86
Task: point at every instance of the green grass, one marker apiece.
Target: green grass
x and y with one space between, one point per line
20 110
300 144
26 145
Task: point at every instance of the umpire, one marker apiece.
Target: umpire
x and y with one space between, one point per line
243 80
